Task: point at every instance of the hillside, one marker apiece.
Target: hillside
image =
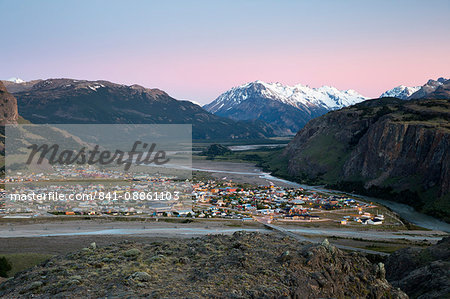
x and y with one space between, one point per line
288 108
244 265
102 102
389 148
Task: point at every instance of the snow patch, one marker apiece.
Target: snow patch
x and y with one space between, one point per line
95 87
16 80
192 101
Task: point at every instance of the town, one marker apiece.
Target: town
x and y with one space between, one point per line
229 200
111 193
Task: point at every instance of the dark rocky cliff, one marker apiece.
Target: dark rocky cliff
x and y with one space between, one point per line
403 151
8 115
395 148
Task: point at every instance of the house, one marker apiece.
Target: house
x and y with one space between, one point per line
374 221
185 212
371 221
380 217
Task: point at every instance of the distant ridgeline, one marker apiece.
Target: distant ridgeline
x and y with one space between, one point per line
387 148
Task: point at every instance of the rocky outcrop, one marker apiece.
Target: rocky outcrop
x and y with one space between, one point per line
244 265
421 273
386 143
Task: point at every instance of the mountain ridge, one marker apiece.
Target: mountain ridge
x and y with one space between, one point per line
82 101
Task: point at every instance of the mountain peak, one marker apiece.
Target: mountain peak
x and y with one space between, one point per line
402 92
265 101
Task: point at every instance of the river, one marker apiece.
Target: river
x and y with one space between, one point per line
238 148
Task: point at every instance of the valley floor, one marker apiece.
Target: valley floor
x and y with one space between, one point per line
32 242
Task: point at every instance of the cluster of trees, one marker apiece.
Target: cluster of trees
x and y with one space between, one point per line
408 197
216 150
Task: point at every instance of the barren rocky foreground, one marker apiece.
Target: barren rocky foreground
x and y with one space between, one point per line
243 265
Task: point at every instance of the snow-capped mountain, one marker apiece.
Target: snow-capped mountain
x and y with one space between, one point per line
297 96
288 107
402 92
16 80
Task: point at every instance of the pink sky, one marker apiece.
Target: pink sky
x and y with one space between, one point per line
198 49
202 76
